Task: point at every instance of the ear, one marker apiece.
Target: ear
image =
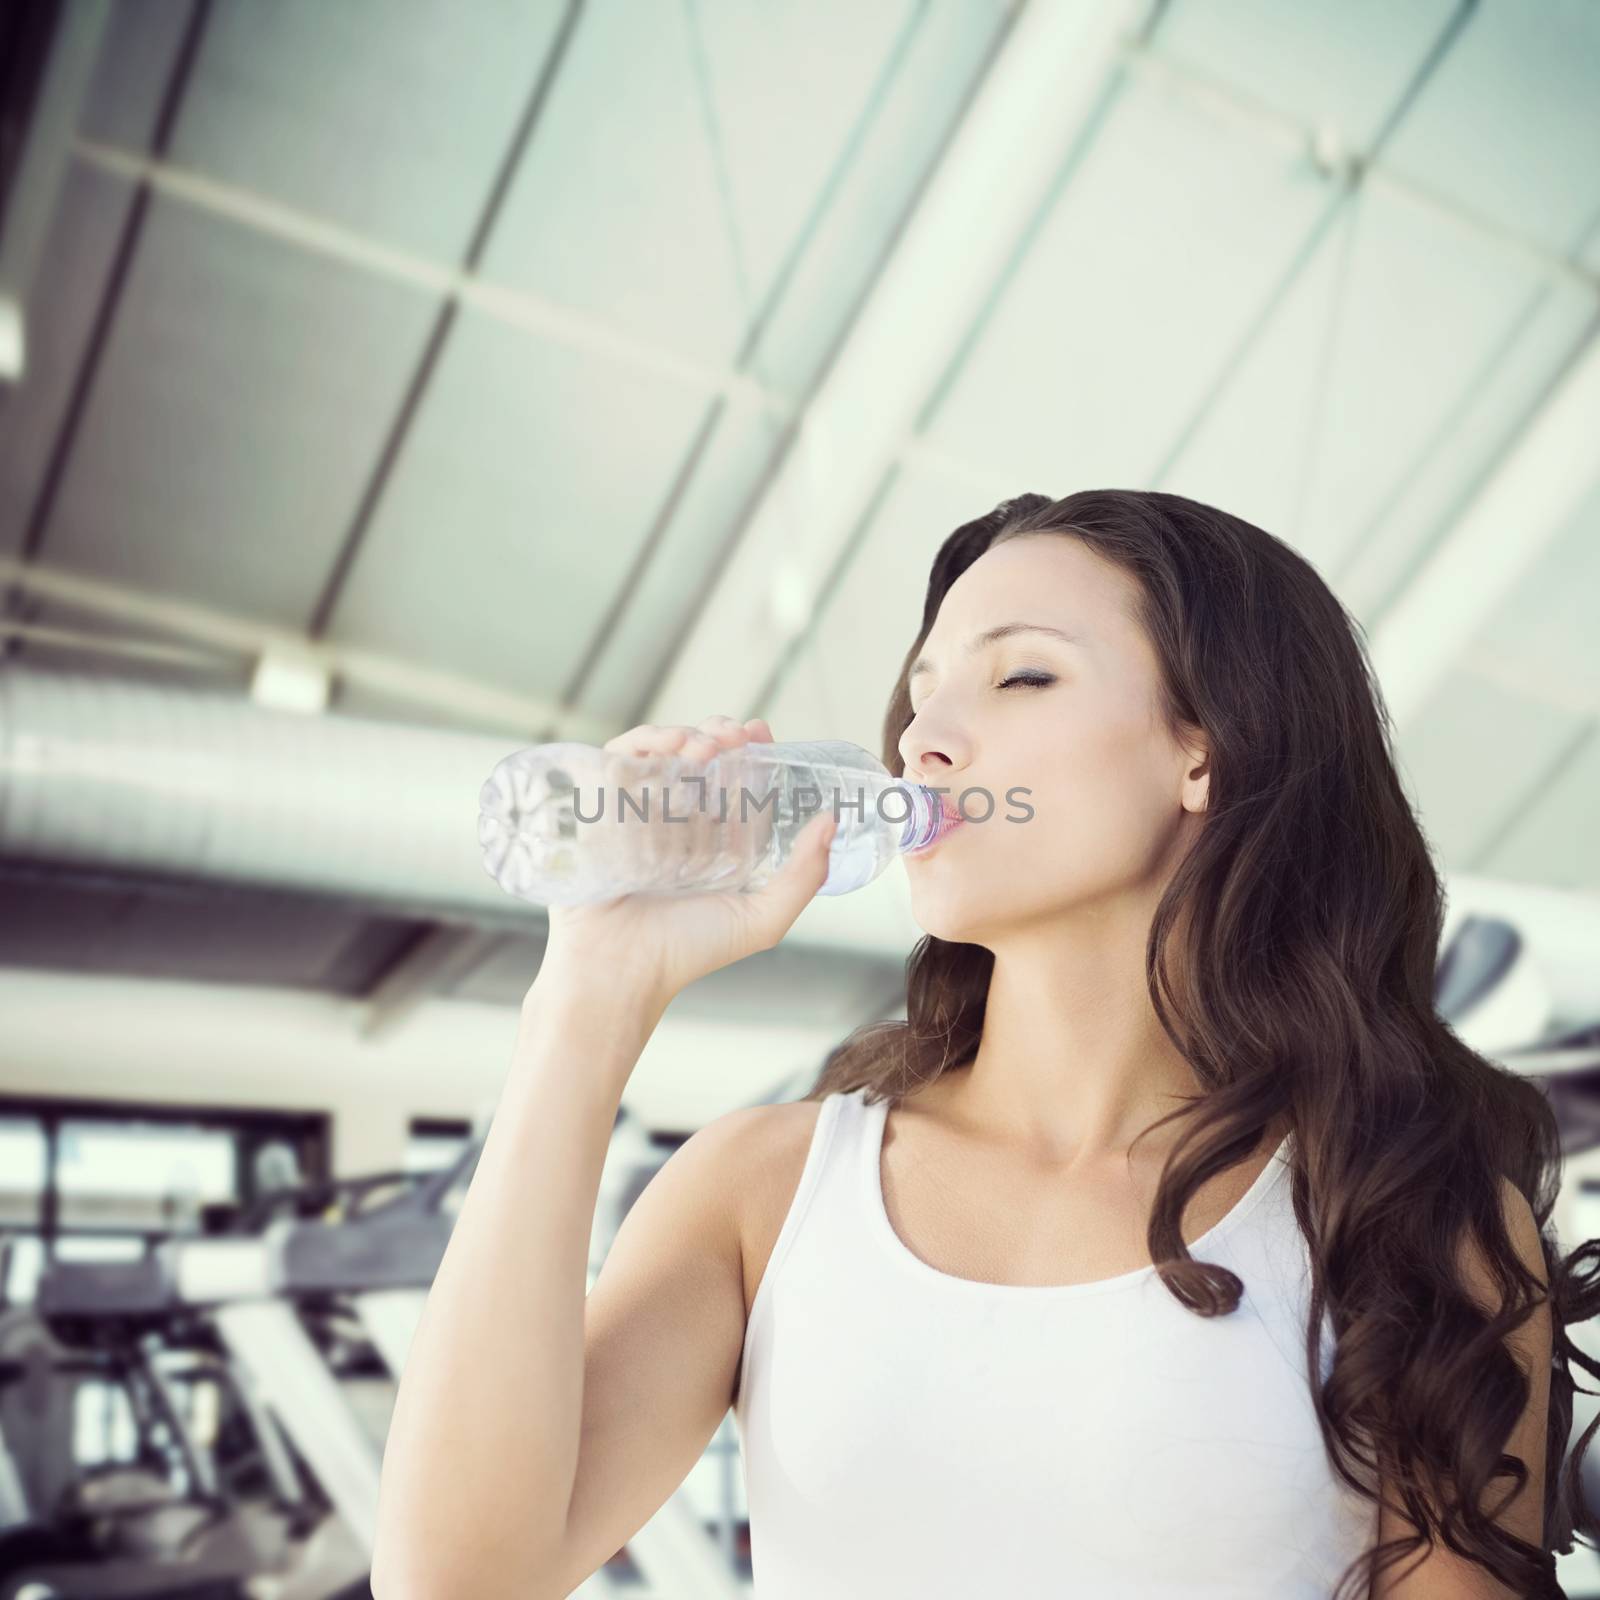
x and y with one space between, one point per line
1196 776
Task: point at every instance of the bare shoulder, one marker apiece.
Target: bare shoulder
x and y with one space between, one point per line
761 1153
743 1142
741 1171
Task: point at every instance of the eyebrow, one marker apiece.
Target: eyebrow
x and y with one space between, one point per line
923 664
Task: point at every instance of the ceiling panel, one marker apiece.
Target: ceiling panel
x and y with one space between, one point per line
1510 124
1425 309
139 50
1546 625
842 675
529 478
1554 840
923 85
1361 376
1342 62
237 412
388 116
620 209
1471 435
79 249
1142 280
787 83
121 105
672 587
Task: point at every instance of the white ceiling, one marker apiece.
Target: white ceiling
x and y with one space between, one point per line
472 336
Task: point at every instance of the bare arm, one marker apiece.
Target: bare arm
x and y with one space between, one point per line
536 1430
664 1332
482 1448
631 1388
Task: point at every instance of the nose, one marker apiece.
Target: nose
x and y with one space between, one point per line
932 754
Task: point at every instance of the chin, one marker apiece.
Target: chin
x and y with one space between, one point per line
970 906
959 913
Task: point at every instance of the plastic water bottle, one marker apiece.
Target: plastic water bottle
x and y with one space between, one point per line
567 823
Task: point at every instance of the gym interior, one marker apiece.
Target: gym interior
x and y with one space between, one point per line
391 385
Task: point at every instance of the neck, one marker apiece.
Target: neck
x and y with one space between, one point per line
1073 1063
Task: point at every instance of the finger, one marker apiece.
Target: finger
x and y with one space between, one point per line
725 730
615 840
648 739
795 884
759 781
716 846
742 832
675 739
708 840
698 744
641 848
676 842
662 851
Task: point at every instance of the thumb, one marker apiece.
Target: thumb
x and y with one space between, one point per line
794 885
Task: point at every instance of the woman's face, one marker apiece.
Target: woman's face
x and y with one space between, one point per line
1075 722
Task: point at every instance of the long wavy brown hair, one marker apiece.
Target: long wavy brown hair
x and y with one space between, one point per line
1292 960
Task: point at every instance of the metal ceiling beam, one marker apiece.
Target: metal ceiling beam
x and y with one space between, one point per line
1330 150
515 308
40 174
250 641
1038 96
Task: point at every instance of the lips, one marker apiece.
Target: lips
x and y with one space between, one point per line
950 819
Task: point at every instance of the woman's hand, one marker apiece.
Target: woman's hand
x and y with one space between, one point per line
664 942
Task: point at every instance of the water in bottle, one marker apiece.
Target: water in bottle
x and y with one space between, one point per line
568 823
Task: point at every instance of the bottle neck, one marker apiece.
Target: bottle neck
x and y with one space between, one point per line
925 816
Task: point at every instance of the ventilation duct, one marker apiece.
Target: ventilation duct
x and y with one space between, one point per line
106 772
101 771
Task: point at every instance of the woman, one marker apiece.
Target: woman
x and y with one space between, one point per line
1170 1233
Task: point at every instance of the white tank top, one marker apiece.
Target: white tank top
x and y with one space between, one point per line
907 1432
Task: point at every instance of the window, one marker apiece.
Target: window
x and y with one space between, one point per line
141 1174
105 1170
22 1170
433 1143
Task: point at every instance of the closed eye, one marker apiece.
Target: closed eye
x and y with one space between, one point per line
1017 680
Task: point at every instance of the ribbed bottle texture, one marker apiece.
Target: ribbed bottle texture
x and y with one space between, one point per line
568 823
